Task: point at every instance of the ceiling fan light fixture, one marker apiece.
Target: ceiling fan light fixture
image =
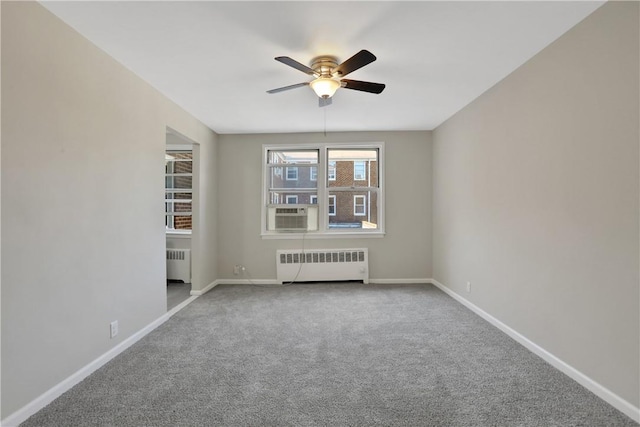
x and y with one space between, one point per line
325 87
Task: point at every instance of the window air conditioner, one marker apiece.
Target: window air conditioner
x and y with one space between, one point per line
292 218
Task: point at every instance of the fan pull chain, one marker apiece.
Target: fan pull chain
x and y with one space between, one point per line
325 122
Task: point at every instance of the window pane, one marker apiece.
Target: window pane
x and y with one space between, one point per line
173 206
181 222
179 162
291 157
353 168
289 197
181 182
292 177
354 209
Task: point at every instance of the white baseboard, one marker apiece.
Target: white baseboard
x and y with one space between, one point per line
182 305
276 282
398 281
205 289
56 391
249 282
235 282
599 390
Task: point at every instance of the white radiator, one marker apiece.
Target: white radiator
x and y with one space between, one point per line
322 265
179 265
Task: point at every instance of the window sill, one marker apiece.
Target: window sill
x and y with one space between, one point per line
179 234
327 235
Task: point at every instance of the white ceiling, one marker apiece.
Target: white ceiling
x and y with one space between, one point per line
215 59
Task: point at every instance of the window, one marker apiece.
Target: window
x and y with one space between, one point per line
341 183
332 171
358 195
292 174
359 207
178 190
294 188
359 171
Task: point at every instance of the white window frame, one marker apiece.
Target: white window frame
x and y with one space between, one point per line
363 204
291 168
291 197
313 199
323 190
313 173
364 170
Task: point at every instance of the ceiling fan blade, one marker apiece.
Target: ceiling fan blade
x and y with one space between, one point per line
358 60
323 102
295 64
362 86
281 89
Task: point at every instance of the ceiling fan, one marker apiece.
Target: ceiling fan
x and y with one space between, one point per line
328 75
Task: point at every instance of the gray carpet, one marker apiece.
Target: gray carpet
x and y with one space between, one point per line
176 293
327 355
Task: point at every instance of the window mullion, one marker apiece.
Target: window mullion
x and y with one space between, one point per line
323 193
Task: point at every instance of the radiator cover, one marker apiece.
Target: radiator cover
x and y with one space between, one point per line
179 265
322 265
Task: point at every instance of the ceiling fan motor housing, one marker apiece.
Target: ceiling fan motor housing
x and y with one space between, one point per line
323 65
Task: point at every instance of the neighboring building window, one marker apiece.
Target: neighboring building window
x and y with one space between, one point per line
359 171
332 205
359 206
292 174
277 172
344 194
332 171
178 190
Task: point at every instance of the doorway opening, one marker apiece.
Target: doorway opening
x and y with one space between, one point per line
180 192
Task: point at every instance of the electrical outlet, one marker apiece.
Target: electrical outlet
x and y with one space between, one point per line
468 286
114 328
236 269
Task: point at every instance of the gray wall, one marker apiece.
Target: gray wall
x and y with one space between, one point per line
83 237
405 251
536 199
